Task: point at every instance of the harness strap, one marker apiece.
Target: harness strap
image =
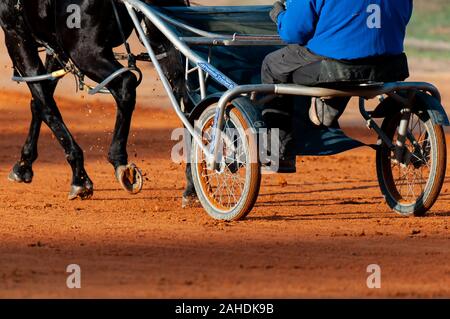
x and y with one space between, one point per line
18 5
71 68
131 59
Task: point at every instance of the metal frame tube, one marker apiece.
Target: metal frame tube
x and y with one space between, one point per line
187 27
222 104
157 18
201 79
44 77
404 122
109 79
164 80
403 128
301 90
372 125
154 17
363 91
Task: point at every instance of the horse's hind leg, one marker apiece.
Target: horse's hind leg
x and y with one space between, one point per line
24 54
22 171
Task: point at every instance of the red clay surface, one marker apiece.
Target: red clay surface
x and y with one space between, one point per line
311 234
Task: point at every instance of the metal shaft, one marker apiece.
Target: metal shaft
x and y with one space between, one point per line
164 80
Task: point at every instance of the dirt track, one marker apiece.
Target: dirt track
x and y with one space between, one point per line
311 234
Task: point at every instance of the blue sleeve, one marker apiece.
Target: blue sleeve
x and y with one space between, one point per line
297 24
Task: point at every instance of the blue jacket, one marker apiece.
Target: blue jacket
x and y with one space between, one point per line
346 29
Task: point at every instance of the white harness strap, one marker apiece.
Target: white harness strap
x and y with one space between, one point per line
18 5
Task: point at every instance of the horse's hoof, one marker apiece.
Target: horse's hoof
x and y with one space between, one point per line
14 177
82 192
130 178
20 174
190 201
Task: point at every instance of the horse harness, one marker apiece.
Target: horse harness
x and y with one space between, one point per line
18 5
70 67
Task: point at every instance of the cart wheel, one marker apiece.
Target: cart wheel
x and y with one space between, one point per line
412 186
229 191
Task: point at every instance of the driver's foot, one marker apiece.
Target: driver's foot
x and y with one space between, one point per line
322 114
287 166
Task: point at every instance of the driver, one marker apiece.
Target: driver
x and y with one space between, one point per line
317 30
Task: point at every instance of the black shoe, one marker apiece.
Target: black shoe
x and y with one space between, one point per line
284 167
287 166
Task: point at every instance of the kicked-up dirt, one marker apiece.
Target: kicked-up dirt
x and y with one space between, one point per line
311 234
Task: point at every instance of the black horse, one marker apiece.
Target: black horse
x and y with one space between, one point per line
28 24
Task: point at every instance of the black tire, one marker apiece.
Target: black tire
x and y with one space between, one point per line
233 206
430 157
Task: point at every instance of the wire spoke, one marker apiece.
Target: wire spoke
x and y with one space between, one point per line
411 176
225 186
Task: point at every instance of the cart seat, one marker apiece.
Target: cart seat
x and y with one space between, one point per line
349 85
353 74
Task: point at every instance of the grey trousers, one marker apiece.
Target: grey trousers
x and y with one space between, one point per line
279 65
277 68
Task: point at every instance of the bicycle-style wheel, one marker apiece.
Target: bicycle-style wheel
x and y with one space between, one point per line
229 191
411 186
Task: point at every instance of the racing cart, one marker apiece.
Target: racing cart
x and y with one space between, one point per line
223 48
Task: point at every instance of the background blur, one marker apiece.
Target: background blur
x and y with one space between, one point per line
428 31
311 234
427 46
